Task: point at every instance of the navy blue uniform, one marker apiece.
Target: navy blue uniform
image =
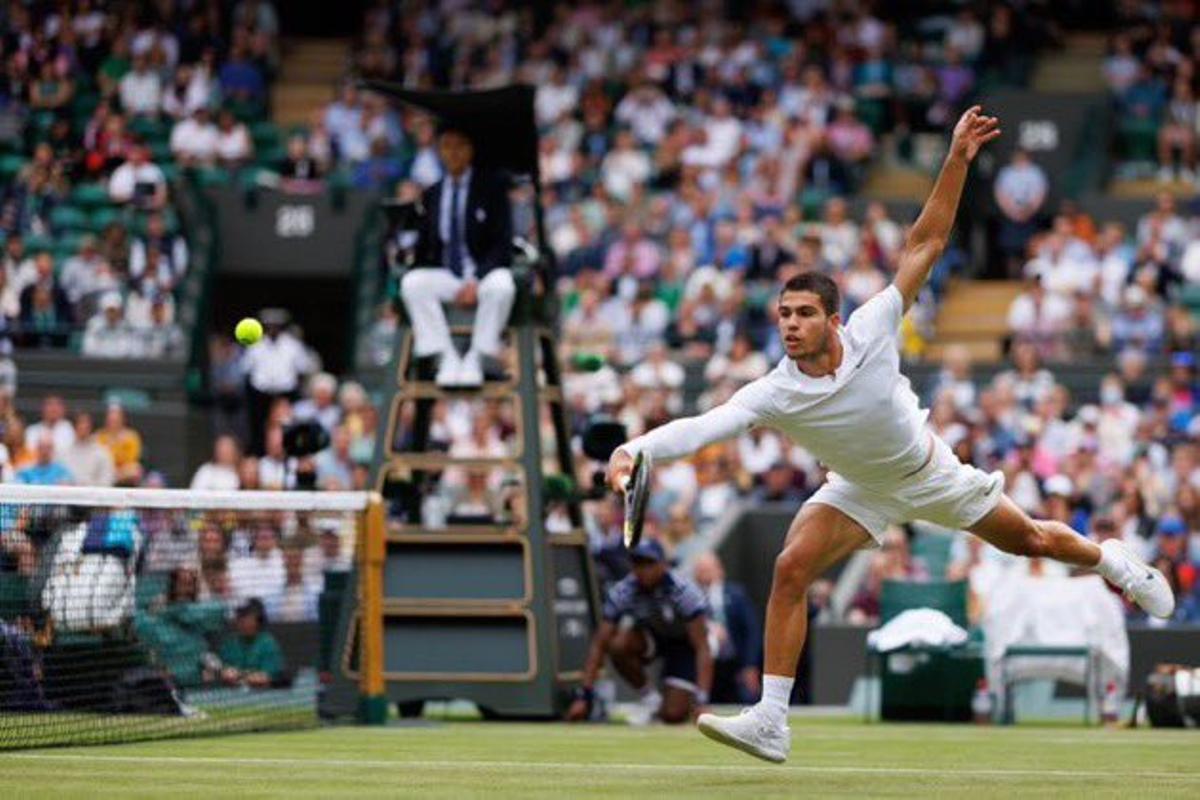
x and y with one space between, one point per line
662 614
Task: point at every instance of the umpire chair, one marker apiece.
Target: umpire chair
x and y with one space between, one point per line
497 611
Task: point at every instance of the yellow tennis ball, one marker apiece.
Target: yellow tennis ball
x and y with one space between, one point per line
248 331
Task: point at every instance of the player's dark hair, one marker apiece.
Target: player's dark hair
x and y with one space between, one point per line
819 284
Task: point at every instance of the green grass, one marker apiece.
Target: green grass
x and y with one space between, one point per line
498 760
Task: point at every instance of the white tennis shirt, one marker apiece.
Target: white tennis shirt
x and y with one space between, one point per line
863 422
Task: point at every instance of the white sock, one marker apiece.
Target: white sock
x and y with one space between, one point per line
776 696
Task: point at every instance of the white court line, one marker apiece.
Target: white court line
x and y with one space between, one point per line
593 767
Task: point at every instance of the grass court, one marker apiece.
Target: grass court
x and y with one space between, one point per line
830 758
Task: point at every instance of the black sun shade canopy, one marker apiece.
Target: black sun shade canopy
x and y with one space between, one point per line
500 122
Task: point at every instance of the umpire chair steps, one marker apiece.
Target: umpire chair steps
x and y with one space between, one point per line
501 612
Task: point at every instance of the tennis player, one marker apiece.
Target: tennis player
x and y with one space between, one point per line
839 394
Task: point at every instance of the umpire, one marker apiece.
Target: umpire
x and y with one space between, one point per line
652 614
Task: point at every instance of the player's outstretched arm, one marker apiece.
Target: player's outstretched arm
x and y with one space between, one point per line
680 438
930 233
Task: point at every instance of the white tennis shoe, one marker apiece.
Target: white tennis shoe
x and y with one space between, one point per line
1141 583
751 732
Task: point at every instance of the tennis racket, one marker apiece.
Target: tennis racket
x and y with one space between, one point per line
637 492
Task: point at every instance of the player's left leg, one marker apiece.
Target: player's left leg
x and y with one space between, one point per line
1012 530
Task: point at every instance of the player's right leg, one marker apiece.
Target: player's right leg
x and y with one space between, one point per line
820 536
1012 530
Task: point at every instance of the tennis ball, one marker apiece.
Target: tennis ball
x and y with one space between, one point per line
248 331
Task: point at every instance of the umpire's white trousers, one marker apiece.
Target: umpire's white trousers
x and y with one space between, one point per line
424 290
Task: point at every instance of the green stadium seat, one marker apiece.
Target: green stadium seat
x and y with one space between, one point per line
14 595
270 157
129 399
212 176
1190 297
69 218
246 110
934 549
148 128
67 245
266 135
150 587
170 171
169 216
84 104
949 597
101 218
1139 139
90 195
160 152
10 165
39 123
873 113
36 243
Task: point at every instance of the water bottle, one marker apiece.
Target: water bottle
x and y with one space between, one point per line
981 703
1110 705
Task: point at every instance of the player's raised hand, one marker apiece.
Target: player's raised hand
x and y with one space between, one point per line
973 131
620 465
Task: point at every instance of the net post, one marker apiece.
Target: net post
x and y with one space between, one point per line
372 533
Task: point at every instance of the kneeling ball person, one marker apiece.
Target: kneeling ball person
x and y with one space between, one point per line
653 614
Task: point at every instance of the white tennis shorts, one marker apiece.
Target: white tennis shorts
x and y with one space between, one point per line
945 491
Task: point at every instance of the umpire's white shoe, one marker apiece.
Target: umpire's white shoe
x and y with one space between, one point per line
449 369
751 732
1141 583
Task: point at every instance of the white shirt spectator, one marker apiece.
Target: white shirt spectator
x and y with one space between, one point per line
724 137
217 478
623 170
197 94
839 242
144 42
426 167
1027 315
966 35
1190 264
1114 272
1026 185
174 265
758 451
275 365
82 276
90 462
273 473
62 432
194 140
647 112
255 576
141 92
160 340
234 144
105 339
658 374
552 99
127 176
138 308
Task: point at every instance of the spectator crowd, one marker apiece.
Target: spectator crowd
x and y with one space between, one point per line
101 106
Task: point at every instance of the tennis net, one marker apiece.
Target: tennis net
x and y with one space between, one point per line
131 614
